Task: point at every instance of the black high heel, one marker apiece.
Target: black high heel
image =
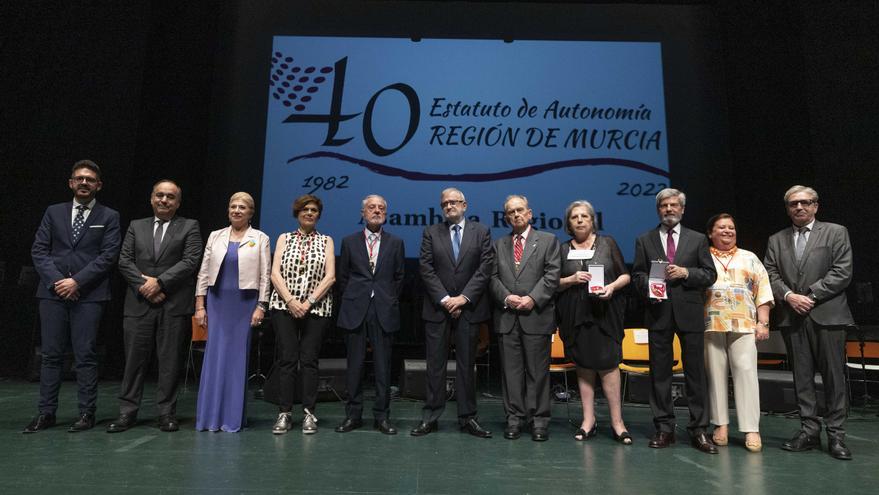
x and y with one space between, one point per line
581 435
623 438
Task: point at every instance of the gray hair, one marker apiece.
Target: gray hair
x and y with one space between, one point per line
450 190
363 203
800 189
670 193
574 204
512 197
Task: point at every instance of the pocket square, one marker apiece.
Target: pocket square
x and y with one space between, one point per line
96 226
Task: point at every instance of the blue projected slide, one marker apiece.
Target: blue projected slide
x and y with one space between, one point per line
553 120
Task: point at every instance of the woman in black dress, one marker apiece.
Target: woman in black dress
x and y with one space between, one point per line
591 324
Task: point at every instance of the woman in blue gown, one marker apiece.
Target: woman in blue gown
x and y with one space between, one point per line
231 296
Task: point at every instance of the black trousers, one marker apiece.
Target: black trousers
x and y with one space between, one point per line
74 324
169 335
525 377
661 343
299 341
436 343
810 348
382 345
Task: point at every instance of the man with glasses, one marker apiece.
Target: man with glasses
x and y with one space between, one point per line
369 277
74 251
455 266
810 266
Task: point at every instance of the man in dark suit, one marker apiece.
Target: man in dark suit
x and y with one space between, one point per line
455 265
370 278
74 251
524 279
810 266
689 272
160 256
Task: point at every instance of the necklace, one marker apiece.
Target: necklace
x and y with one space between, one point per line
718 254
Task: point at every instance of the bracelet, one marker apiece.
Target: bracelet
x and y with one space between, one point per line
199 309
764 323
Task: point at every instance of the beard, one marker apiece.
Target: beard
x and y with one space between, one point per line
671 220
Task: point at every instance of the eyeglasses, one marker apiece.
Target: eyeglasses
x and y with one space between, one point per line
83 178
802 202
451 202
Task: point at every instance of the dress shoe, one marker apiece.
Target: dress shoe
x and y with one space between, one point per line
86 421
122 423
472 427
539 434
41 422
348 425
701 443
384 426
801 442
661 439
283 423
838 450
512 432
423 429
168 423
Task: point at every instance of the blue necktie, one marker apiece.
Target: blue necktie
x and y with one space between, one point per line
456 241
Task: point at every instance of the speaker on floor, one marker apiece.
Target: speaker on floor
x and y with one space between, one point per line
777 392
330 385
413 379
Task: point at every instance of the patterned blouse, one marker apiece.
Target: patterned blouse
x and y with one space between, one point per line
742 285
303 266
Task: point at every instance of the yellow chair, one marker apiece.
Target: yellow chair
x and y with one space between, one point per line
636 355
559 363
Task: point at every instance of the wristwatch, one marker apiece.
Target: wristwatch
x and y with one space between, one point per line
311 300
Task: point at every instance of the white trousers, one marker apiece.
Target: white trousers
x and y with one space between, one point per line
735 352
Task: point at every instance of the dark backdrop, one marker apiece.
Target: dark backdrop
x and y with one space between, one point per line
153 89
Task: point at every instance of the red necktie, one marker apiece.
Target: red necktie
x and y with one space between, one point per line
518 248
670 247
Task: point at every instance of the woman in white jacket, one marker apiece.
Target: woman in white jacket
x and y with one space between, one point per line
231 296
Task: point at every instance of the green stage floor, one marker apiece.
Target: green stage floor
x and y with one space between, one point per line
145 460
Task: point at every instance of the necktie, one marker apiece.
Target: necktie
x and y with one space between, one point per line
157 237
373 239
801 242
518 248
670 246
456 241
79 221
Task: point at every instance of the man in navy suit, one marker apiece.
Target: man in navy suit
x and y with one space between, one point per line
456 258
689 272
159 258
74 251
370 277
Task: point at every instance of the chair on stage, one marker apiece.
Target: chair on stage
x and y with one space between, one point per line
772 353
196 345
636 355
861 355
559 363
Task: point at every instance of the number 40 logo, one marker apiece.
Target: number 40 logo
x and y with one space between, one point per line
335 116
